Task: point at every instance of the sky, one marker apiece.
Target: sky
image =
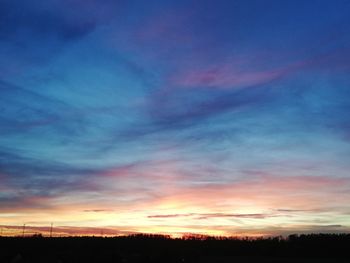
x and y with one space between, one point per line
175 117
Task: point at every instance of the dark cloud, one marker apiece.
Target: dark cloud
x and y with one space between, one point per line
20 199
98 210
213 215
330 226
24 109
183 108
179 109
31 183
255 216
170 215
33 33
18 166
292 210
42 20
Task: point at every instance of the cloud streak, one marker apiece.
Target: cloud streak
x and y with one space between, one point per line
212 215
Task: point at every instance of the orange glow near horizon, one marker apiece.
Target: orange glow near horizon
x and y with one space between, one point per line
240 210
256 205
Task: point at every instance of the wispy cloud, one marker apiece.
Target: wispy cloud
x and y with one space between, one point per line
213 215
98 210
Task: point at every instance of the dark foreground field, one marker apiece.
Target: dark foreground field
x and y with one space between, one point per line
153 248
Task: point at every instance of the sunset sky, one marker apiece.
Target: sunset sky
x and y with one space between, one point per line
206 117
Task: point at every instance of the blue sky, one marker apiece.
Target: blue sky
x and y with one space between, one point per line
214 117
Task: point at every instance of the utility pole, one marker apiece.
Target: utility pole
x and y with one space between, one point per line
51 230
24 228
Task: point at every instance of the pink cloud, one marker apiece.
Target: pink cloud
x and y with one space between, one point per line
245 71
225 77
275 192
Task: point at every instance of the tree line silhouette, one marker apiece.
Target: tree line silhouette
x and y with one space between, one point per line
159 248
